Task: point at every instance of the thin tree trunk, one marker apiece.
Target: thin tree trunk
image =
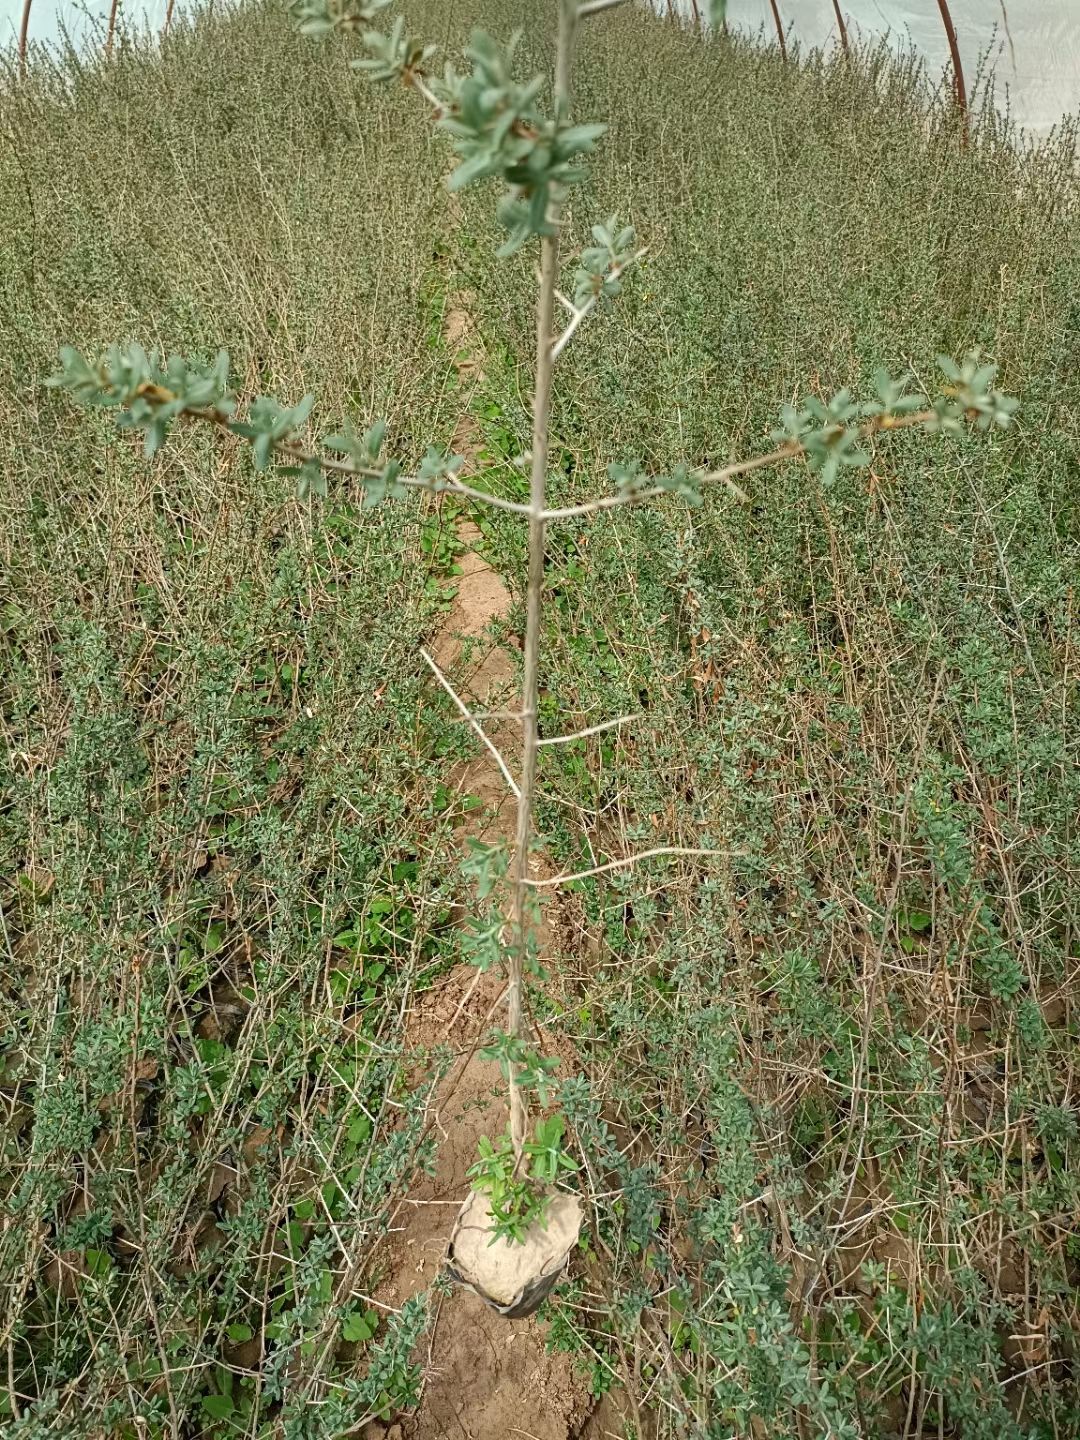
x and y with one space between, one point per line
670 10
522 899
24 30
168 17
958 69
697 14
779 30
844 45
111 30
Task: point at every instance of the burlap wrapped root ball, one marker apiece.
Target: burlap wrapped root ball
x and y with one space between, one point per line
512 1277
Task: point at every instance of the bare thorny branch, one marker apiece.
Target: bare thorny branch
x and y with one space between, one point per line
474 722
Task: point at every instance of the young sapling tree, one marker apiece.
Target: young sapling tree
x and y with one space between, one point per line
518 1226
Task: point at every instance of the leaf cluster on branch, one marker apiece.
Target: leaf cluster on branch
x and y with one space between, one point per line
150 395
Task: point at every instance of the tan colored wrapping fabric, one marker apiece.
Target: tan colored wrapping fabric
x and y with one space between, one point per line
513 1278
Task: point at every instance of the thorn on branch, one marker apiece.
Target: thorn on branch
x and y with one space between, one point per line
467 715
628 860
590 730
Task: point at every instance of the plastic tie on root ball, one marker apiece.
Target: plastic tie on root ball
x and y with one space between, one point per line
513 1278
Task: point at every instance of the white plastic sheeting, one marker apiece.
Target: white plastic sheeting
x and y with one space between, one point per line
1034 45
82 18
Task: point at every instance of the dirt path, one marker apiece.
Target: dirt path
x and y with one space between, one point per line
487 1378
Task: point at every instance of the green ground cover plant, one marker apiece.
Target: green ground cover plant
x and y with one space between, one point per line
825 1113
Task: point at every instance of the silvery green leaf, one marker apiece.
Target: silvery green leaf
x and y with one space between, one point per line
437 467
373 492
372 441
260 450
682 481
628 478
573 139
481 942
390 473
1005 407
486 865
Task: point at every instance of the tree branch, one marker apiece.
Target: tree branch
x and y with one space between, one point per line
845 44
24 30
779 30
591 730
594 7
958 69
621 864
545 365
789 451
468 715
301 456
578 314
417 81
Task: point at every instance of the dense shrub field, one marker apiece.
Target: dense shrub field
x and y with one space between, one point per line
821 1084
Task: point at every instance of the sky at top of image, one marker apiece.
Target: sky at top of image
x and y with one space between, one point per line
1033 45
81 18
